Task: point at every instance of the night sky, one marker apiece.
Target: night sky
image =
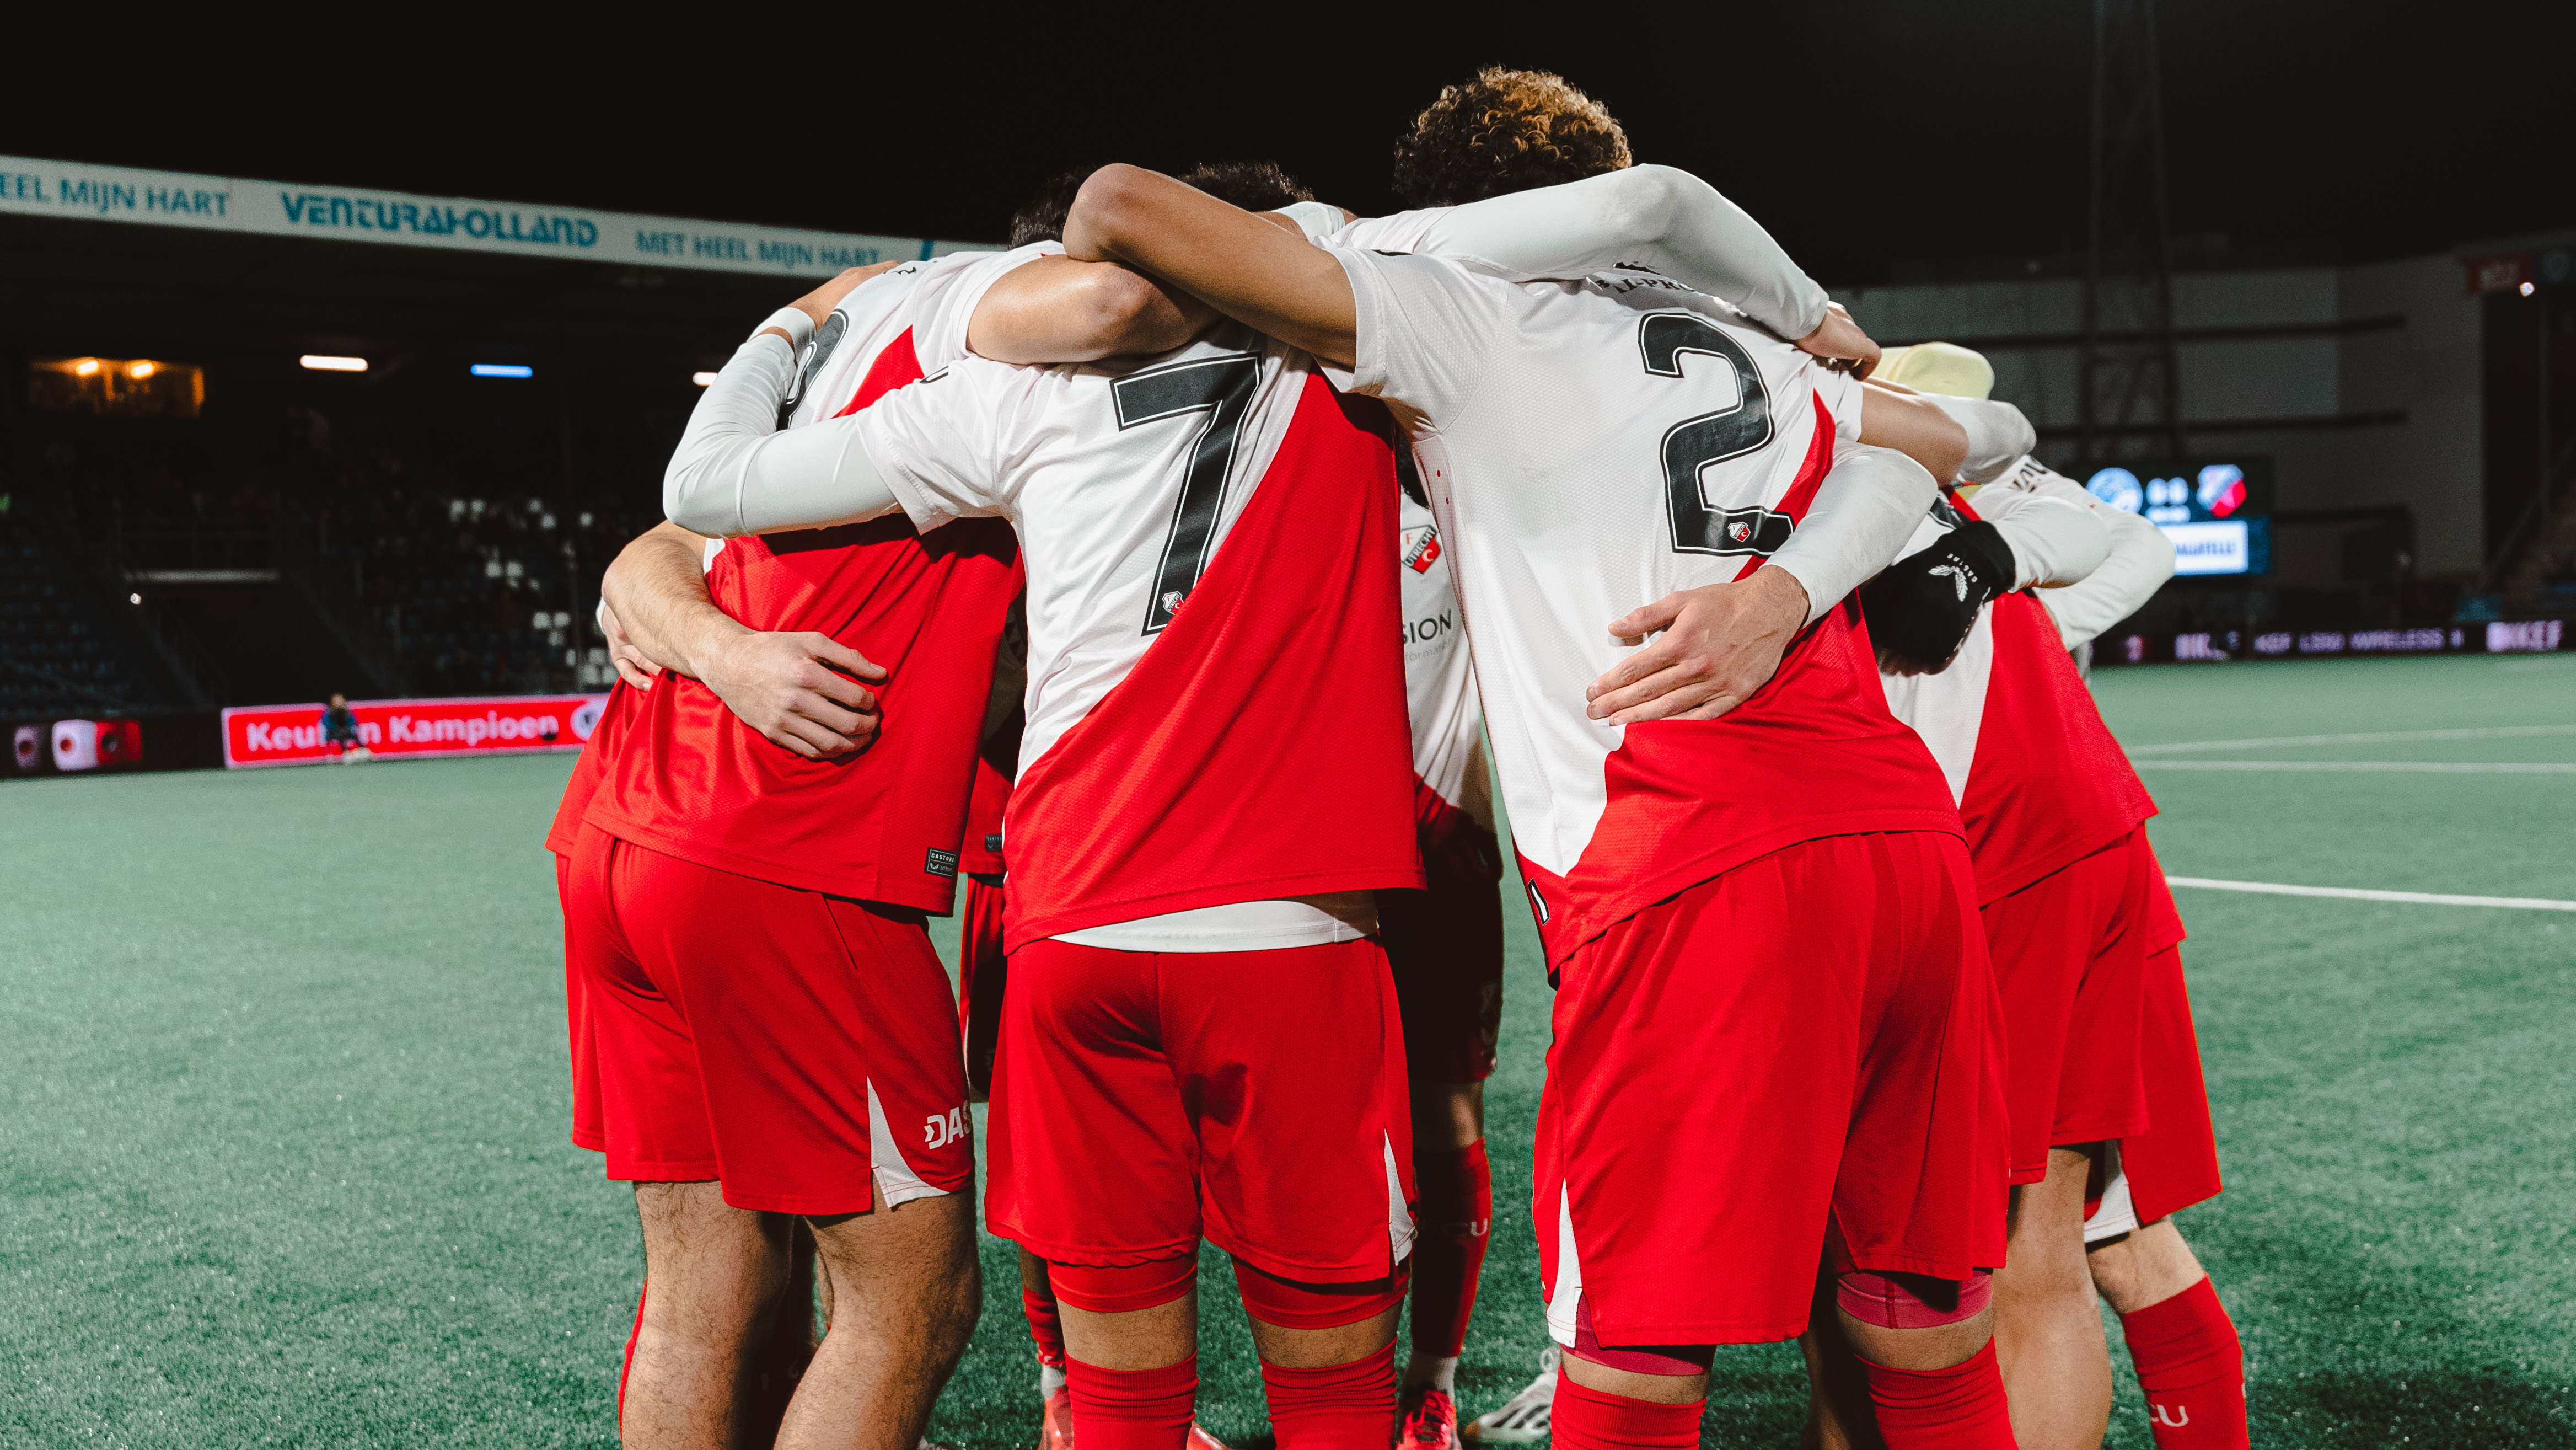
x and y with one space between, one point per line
1861 133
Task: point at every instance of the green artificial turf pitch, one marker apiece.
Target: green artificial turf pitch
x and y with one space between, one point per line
284 1150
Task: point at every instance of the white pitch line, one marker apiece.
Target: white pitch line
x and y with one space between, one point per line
2491 732
2418 767
2355 893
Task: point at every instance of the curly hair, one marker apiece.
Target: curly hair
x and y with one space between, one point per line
1505 131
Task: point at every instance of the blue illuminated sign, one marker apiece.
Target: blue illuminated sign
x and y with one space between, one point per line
504 370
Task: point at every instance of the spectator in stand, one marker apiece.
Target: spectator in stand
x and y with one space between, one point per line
340 730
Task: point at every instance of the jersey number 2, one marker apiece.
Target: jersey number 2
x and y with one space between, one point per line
1222 388
1695 444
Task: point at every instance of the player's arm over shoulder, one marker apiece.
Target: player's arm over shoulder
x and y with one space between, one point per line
1058 310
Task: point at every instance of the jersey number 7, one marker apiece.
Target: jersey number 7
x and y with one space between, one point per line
1695 444
1222 388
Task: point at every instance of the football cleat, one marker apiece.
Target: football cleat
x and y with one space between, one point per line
1200 1439
1430 1419
1056 1432
1522 1419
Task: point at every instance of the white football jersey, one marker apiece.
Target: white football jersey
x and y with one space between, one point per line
1589 446
931 300
1107 565
1439 679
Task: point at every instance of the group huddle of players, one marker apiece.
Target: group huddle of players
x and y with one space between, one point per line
1081 569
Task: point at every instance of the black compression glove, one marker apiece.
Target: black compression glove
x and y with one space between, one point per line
1921 607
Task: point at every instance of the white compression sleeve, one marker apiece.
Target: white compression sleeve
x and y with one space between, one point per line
1654 216
1862 516
2140 561
1998 435
2053 542
735 473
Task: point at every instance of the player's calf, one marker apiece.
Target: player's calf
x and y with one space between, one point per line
2048 1329
1926 1348
2189 1359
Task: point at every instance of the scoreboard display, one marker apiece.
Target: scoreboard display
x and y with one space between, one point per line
2217 511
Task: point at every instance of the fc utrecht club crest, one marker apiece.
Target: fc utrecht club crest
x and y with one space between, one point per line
1421 549
1739 531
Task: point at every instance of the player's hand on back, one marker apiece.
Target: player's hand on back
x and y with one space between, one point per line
1716 646
1841 343
797 689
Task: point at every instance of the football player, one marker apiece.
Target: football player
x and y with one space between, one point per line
1779 982
1199 1037
722 842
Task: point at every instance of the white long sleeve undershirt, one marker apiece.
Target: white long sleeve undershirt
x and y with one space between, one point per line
1656 217
1861 519
2139 562
734 473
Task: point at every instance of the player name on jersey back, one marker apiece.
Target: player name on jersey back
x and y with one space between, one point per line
1589 447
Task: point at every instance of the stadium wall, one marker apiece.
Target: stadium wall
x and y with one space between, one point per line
2362 383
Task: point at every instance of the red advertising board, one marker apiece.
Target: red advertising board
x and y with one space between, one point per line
405 729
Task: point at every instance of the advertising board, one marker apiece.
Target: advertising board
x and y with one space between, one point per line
408 729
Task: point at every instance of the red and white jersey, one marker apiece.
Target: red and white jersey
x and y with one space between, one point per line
689 779
1439 677
1216 697
2039 780
1590 446
920 310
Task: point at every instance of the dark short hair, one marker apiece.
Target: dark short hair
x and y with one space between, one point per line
1505 131
1041 217
1251 185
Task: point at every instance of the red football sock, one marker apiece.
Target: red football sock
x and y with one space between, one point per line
1457 1211
1338 1407
1589 1419
1046 1326
628 1367
1959 1408
1141 1409
2192 1367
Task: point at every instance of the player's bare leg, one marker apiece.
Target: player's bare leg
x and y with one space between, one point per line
716 1273
790 1345
2189 1359
2048 1327
1448 1120
906 1289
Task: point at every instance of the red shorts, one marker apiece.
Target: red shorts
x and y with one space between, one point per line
2174 1163
798 1047
2070 959
587 1128
981 970
1445 946
1813 1032
1143 1099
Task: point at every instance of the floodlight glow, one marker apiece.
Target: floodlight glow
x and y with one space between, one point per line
139 371
86 366
503 370
2526 289
703 379
323 364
